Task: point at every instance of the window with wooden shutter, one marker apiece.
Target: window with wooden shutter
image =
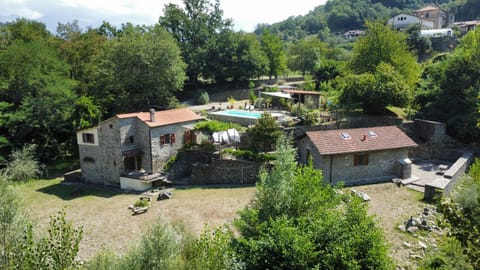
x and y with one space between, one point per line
162 140
172 138
360 159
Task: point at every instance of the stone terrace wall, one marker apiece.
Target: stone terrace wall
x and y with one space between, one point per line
183 165
430 131
449 180
223 171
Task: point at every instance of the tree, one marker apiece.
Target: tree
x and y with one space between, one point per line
57 249
143 68
273 48
34 82
304 54
235 56
264 132
381 44
450 90
195 27
373 92
22 165
10 220
418 44
297 221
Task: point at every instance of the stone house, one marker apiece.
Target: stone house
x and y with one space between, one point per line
467 26
360 155
134 145
437 16
352 34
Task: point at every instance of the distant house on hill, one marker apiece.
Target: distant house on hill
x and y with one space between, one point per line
467 26
361 155
352 34
134 146
403 21
429 17
437 16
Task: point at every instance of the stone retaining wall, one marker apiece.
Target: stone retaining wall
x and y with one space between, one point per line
223 171
450 178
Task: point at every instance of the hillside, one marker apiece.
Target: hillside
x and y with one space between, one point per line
340 15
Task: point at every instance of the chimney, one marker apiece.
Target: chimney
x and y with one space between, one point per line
152 115
364 138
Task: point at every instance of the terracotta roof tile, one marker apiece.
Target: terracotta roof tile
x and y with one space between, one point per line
426 8
331 142
163 118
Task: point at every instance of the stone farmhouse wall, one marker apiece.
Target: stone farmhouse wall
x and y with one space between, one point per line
382 165
103 162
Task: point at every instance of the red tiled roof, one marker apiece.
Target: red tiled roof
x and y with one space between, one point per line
302 92
163 118
426 8
331 142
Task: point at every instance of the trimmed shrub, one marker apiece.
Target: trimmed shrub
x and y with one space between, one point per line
203 98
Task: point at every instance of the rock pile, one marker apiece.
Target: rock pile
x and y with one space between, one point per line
424 221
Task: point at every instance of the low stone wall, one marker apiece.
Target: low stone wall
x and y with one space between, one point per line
224 171
450 178
183 165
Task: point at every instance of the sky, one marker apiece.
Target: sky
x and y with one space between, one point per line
246 14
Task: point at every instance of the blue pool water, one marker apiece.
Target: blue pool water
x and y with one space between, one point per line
246 114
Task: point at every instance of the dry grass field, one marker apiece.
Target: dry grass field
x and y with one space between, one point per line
106 221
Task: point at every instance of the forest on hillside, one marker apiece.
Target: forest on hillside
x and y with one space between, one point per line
54 84
338 16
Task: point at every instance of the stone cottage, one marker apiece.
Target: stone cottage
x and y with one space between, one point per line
134 146
361 155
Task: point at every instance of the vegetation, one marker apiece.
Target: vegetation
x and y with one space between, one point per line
216 126
140 203
461 211
264 132
22 165
297 221
203 98
449 92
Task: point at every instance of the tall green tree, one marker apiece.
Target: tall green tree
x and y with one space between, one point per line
304 54
373 92
273 48
34 80
382 44
235 56
194 27
264 133
141 68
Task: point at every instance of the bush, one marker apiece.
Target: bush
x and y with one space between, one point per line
23 165
216 126
140 203
203 98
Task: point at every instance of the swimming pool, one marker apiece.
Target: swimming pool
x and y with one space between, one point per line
241 117
246 114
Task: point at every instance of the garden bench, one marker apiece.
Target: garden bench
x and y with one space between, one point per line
139 210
